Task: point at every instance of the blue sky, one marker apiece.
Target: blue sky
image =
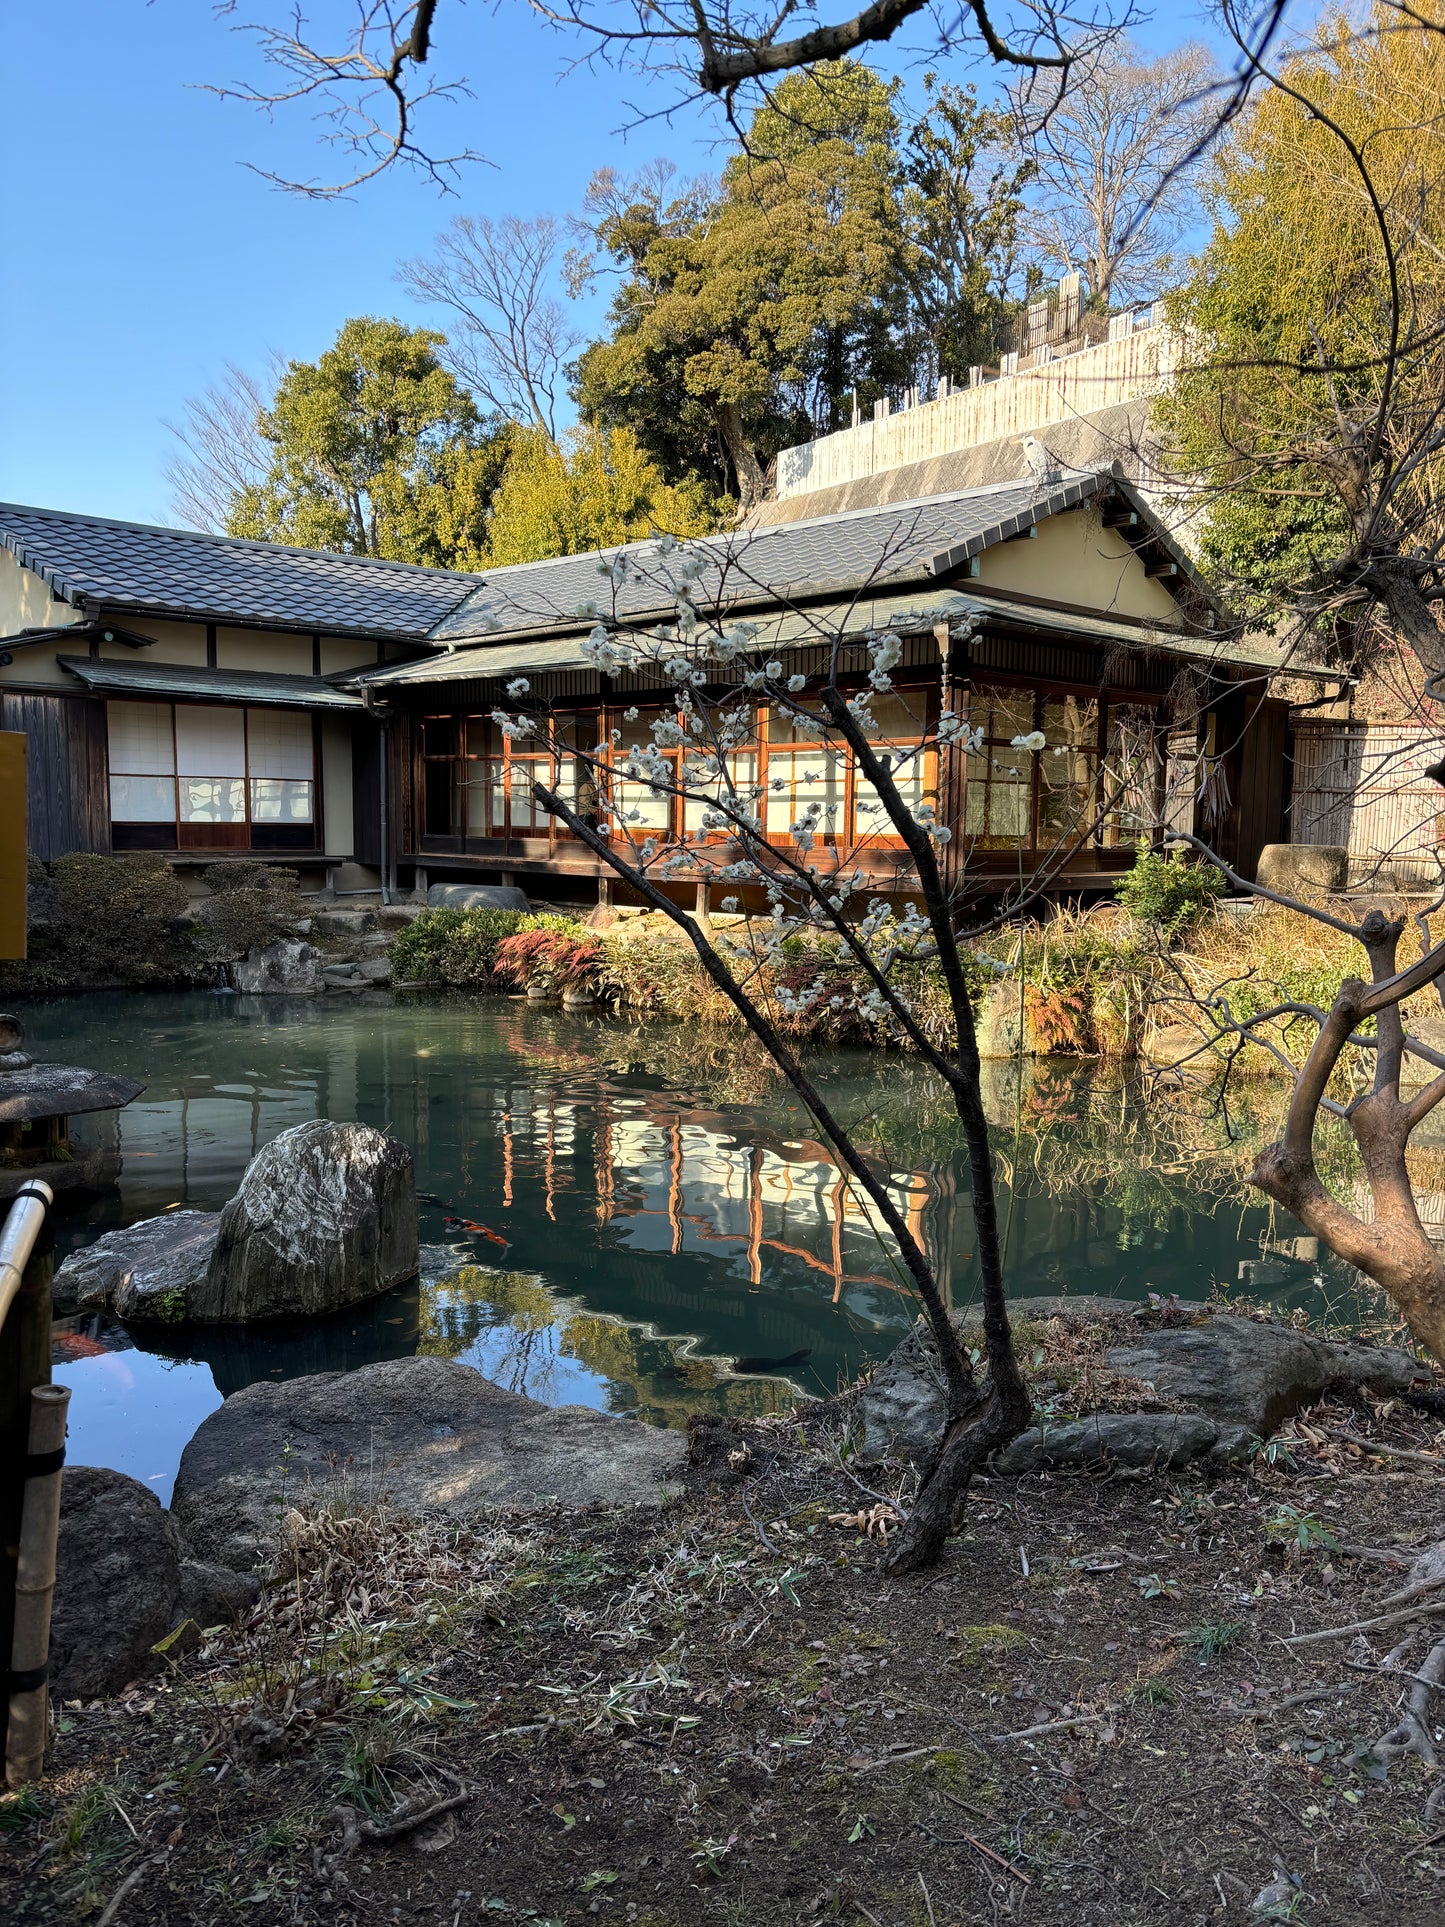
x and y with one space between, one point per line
144 255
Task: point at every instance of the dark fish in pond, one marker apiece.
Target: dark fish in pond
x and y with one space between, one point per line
773 1364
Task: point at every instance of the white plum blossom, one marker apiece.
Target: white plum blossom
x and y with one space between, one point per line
773 670
729 903
796 684
885 654
1034 740
631 715
518 688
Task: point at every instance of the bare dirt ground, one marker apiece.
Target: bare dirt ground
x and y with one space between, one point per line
1092 1712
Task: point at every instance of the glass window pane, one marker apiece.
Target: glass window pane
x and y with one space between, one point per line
485 801
279 743
743 769
786 728
528 816
1002 714
207 799
913 773
439 736
142 799
142 741
1072 722
900 718
277 799
996 808
1066 793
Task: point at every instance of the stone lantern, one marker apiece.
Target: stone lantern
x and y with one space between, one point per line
37 1102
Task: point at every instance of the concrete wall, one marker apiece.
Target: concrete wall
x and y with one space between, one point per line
1062 391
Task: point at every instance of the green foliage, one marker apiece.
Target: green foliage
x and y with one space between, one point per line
377 450
98 920
1171 892
596 492
251 905
750 312
1288 313
459 947
1301 1531
1210 1641
963 200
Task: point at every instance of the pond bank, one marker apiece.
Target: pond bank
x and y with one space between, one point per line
729 1713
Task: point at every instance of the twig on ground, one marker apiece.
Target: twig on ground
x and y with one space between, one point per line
1381 1450
763 1540
1368 1625
1291 1699
1396 1672
128 1886
1051 1726
997 1858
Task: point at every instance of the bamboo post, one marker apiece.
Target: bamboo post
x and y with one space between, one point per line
25 1266
35 1587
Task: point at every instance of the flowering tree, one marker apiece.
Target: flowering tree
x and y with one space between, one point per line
828 688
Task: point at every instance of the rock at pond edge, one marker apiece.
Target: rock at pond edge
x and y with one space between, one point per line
422 1434
146 1272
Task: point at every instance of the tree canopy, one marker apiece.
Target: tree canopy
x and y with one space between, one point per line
595 491
375 449
1309 407
841 256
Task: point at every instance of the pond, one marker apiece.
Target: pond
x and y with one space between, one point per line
635 1217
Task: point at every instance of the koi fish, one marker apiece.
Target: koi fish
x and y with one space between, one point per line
477 1230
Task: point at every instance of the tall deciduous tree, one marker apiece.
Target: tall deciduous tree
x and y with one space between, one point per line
746 318
594 491
375 449
1112 188
509 337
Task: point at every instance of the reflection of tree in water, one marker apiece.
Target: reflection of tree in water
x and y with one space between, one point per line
648 1376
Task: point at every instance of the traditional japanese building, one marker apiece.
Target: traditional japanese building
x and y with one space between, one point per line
202 697
1058 605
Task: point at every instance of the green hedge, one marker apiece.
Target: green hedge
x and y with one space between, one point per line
98 920
459 947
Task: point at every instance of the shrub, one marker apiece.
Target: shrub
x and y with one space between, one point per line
459 947
551 959
1171 892
251 905
97 920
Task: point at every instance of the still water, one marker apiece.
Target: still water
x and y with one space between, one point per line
668 1235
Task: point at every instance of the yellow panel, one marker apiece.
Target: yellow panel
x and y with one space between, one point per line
12 843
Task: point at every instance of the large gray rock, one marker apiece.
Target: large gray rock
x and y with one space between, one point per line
1228 1371
285 969
123 1581
1242 1372
325 1217
427 1434
1309 867
147 1272
476 896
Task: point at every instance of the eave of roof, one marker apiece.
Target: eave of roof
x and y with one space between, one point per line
906 612
162 679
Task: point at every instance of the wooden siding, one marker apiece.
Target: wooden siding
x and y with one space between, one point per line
1362 786
69 791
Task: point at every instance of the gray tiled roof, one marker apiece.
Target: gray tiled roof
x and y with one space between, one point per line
215 578
830 554
206 685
